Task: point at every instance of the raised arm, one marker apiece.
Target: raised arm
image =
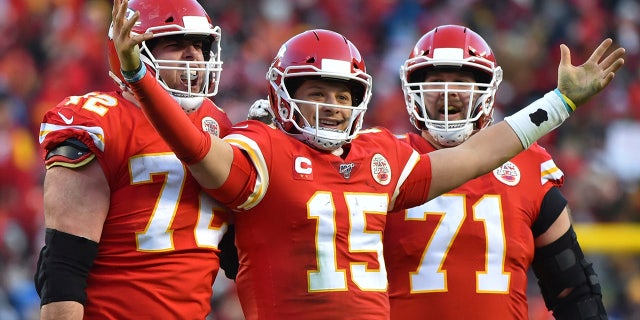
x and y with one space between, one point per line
491 147
209 157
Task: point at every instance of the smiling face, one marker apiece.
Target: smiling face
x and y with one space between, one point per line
180 48
455 100
326 96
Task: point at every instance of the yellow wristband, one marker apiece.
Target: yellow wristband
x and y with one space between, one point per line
567 102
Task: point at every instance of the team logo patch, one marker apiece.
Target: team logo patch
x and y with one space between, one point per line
508 174
345 169
211 126
380 169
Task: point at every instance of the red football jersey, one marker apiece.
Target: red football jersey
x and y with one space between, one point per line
310 241
465 254
157 255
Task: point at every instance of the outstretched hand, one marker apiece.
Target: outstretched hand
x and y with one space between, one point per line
583 82
126 42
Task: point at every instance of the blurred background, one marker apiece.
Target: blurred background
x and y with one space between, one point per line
50 49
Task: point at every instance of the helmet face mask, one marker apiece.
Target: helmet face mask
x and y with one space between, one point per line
170 21
198 75
458 50
317 55
311 128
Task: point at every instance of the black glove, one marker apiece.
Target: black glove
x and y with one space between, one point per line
229 253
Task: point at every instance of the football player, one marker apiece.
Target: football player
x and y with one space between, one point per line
129 232
475 243
312 191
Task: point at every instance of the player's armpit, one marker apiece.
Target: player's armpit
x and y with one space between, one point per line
561 268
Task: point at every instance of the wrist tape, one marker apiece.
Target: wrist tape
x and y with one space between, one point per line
134 75
539 118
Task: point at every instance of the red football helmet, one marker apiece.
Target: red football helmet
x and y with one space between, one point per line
317 54
451 47
170 18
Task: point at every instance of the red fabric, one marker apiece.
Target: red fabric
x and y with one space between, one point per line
157 256
312 213
481 229
187 142
241 174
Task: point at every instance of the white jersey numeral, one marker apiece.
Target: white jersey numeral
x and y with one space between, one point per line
328 277
430 276
158 235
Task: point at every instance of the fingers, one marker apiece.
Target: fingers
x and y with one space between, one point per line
610 64
118 13
125 42
600 50
565 55
613 61
129 23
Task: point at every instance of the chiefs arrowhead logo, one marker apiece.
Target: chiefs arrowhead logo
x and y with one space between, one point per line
508 174
380 169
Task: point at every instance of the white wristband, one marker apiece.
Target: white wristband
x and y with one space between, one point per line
538 118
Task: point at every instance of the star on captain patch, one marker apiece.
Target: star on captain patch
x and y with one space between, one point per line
380 169
508 174
211 126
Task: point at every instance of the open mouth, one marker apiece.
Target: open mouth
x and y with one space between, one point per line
189 78
453 113
450 110
330 123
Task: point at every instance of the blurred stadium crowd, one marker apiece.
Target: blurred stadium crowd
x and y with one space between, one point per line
50 49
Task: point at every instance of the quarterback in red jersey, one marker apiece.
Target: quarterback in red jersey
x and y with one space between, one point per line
130 234
474 244
312 191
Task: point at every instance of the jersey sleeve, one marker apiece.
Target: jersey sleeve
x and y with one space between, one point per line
249 136
550 173
415 178
72 118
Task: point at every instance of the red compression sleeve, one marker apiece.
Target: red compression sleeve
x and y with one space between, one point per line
165 114
239 184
